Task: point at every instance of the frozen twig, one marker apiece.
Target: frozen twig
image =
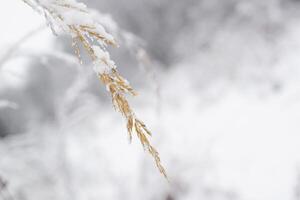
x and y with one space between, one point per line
13 48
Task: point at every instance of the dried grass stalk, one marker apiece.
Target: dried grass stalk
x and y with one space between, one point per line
85 34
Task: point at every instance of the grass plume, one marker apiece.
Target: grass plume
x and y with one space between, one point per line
74 19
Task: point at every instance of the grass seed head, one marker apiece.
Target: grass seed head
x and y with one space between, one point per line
84 34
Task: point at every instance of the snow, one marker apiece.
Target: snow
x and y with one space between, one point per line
103 64
236 140
75 17
255 143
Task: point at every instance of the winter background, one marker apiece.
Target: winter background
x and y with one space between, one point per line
220 92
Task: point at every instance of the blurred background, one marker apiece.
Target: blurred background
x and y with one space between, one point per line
219 87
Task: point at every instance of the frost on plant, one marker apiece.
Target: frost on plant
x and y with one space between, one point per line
74 19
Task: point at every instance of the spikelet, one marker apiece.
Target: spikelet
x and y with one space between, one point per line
84 32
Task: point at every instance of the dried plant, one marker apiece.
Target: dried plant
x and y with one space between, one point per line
74 19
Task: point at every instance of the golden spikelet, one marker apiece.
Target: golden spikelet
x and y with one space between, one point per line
118 87
76 49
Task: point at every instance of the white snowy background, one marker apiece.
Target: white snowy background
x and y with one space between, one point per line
221 96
